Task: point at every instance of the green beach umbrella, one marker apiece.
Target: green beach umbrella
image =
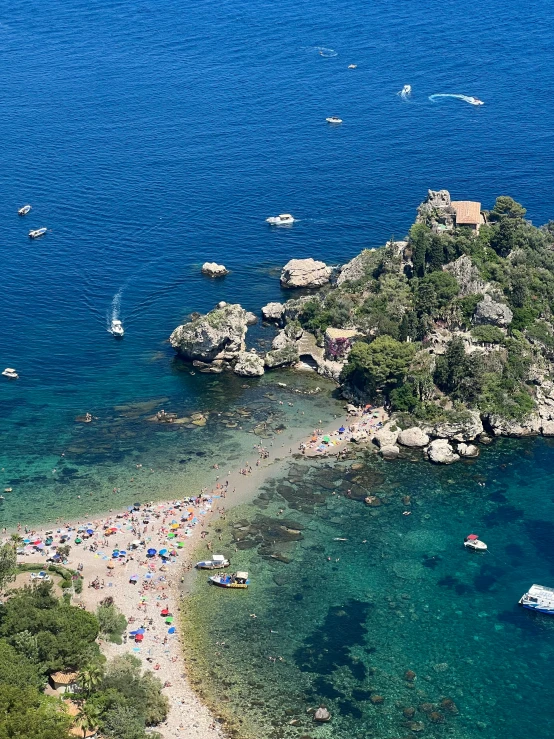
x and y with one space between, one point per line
180 543
169 620
171 535
327 439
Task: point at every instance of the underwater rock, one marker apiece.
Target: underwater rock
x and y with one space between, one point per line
322 715
426 707
409 712
416 726
373 501
406 500
390 451
377 700
410 676
447 704
436 718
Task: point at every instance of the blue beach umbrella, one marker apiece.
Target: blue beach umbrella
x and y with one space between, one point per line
163 552
137 631
171 630
90 532
151 552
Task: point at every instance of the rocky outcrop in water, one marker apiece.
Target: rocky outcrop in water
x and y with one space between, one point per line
305 273
413 437
286 355
468 450
219 334
273 312
388 435
439 451
212 269
249 364
467 428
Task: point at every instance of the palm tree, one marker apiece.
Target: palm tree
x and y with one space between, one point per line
91 677
87 718
16 540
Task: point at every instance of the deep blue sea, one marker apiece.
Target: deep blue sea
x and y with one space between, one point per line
150 137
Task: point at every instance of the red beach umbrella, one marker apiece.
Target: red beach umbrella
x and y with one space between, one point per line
139 637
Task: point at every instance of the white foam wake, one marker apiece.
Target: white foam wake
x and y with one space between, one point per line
465 98
115 308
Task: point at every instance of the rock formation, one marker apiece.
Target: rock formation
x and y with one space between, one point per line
413 437
490 312
219 334
286 355
274 312
387 435
390 451
322 715
467 428
468 450
249 364
439 451
212 269
305 273
467 275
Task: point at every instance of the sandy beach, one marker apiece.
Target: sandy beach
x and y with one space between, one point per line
143 586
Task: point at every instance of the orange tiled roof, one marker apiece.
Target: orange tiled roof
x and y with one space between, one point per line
467 212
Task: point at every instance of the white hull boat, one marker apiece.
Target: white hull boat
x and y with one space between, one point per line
117 328
10 373
217 562
37 233
539 598
236 581
334 119
406 90
285 219
23 211
474 543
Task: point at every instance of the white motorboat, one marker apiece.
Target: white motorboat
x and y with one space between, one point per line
217 562
11 373
474 543
117 328
352 66
284 219
538 598
475 101
406 90
237 580
333 119
23 211
37 232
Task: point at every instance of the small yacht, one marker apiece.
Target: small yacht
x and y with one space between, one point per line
333 119
23 211
237 580
475 101
217 562
285 219
11 373
117 328
539 598
474 543
37 232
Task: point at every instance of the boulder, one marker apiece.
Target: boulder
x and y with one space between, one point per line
413 437
293 308
273 312
281 357
219 334
467 275
249 364
531 426
439 451
488 311
251 318
468 450
212 269
281 341
391 451
322 715
387 435
467 428
305 273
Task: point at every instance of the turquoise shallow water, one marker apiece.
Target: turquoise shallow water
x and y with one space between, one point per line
345 620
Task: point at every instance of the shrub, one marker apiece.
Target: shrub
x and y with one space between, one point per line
488 334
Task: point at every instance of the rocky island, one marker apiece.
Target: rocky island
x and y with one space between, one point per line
452 328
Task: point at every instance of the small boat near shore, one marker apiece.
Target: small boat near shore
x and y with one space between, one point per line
334 119
284 219
217 562
116 328
37 233
24 210
10 373
236 580
473 542
538 598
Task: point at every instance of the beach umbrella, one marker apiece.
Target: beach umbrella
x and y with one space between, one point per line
139 637
110 565
90 532
180 544
174 525
171 535
137 631
78 540
122 553
133 578
163 552
326 439
342 430
165 612
169 620
151 552
171 630
135 543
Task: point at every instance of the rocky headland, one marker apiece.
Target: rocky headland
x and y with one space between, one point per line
452 329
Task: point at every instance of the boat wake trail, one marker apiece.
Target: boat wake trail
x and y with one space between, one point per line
115 308
465 98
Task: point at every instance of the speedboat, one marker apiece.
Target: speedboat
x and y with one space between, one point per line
352 66
11 373
37 232
538 598
236 580
117 328
475 101
333 119
23 211
217 562
473 542
406 90
284 219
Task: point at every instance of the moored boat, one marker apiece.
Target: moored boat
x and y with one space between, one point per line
236 580
217 562
11 373
284 219
333 119
37 232
538 598
473 542
23 211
